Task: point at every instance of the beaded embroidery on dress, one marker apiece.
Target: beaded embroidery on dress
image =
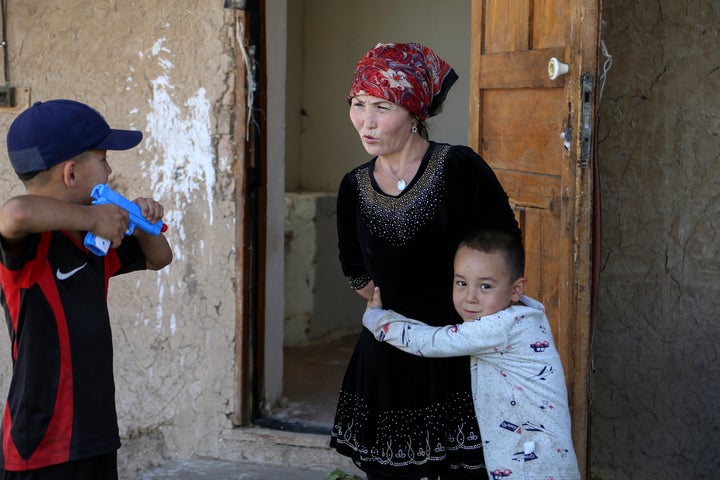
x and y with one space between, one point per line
396 219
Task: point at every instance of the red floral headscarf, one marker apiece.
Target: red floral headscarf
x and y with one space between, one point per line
406 74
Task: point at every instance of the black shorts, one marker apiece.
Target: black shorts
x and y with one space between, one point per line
103 467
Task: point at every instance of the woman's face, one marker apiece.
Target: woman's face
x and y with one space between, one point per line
383 126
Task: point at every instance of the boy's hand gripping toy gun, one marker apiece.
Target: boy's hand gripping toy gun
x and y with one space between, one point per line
102 194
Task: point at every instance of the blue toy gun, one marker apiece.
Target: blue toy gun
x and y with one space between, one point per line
102 194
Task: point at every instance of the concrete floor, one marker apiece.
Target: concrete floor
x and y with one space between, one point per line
204 468
312 379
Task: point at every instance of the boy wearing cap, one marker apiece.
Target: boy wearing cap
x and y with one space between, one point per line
60 420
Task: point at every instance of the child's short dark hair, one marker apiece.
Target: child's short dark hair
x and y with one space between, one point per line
497 240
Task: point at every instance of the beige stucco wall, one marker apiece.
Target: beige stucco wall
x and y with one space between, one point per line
165 68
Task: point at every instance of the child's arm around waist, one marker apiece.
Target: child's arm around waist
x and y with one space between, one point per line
418 338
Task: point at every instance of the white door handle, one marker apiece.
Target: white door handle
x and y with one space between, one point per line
556 68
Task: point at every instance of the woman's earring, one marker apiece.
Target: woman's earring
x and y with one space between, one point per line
413 129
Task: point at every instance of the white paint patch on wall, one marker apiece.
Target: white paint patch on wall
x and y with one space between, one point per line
181 137
182 167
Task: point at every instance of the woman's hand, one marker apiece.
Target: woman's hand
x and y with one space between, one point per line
375 300
367 291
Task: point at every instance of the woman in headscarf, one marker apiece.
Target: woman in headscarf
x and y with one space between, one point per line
400 218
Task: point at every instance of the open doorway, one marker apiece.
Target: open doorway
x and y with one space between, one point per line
324 40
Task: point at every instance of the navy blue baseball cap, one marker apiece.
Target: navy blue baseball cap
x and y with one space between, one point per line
51 132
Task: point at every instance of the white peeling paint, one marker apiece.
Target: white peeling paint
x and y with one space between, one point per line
160 287
181 138
166 64
179 162
159 316
158 47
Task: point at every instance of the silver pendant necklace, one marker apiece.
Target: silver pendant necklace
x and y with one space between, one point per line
401 183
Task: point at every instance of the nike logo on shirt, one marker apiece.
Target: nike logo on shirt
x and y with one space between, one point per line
65 275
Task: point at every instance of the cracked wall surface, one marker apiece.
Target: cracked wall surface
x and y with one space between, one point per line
654 411
165 68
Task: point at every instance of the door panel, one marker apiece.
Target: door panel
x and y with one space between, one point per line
539 223
511 116
508 29
511 70
528 127
547 32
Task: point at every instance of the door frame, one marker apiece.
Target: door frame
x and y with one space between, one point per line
249 127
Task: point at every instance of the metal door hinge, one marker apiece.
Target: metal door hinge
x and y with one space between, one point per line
586 132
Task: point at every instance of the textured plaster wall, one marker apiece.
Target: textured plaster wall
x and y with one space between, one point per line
655 412
165 68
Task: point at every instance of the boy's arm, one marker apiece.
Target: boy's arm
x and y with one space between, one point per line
156 249
27 214
413 336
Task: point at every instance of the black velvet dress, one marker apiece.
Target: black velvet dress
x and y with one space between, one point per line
399 414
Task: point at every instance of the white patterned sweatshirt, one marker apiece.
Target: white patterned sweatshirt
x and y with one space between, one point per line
517 380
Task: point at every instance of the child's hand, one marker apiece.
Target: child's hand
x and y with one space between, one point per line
152 211
110 222
375 300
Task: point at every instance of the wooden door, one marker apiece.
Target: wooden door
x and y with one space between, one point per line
537 134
